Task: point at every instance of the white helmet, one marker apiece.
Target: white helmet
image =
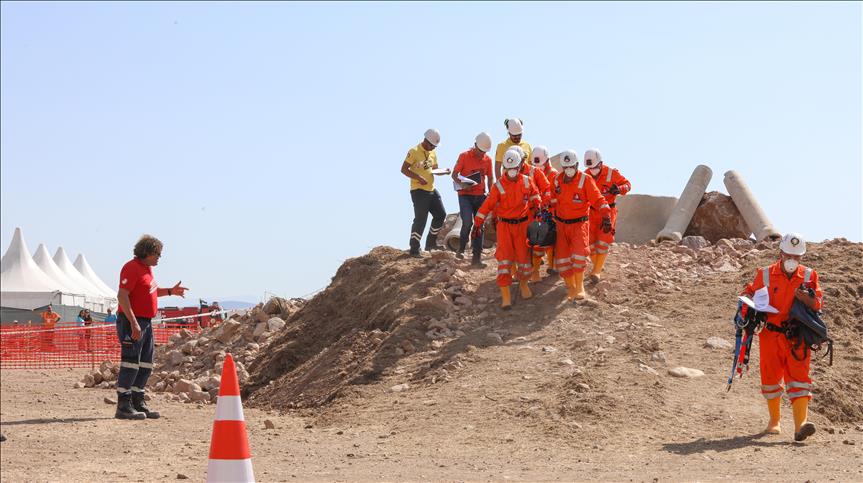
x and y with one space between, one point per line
793 244
569 159
432 136
483 142
518 150
540 156
514 126
511 159
592 158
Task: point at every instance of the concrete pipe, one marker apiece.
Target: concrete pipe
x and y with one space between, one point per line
452 239
745 201
676 225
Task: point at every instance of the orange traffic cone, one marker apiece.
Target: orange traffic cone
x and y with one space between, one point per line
230 460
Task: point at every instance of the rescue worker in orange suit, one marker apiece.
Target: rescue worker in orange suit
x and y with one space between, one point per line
542 172
611 184
512 198
786 280
573 194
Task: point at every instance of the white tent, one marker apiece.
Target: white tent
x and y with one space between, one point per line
18 271
28 283
46 264
62 261
88 273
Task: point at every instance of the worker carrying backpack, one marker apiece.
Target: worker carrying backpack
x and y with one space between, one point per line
541 232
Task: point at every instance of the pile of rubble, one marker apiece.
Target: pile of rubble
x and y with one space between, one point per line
189 366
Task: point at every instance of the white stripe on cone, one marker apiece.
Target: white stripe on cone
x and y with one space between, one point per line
229 408
230 471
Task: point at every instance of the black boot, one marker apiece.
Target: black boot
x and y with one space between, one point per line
140 405
476 262
125 409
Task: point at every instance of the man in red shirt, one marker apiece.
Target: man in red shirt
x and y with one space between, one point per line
474 164
138 300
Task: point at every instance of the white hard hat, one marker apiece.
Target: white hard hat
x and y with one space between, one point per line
793 244
514 126
518 150
569 159
432 136
483 142
540 155
511 159
592 158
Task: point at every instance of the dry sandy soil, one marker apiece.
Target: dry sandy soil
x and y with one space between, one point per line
547 391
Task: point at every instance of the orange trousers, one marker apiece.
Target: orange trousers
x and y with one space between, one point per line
512 251
777 364
570 249
600 242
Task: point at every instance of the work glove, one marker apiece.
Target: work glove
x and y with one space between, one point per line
606 224
476 232
613 189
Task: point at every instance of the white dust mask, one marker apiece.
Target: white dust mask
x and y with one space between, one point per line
569 172
511 172
790 265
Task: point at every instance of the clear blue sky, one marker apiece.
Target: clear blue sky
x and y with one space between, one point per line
262 141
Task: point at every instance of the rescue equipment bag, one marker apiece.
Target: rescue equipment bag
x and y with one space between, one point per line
541 232
748 322
806 329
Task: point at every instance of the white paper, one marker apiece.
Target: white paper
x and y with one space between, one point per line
463 183
762 301
746 300
440 171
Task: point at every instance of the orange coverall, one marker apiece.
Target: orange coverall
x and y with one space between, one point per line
571 201
776 360
600 241
513 203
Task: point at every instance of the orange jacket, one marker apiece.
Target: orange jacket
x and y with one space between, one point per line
781 289
608 176
48 320
549 172
539 180
510 199
573 199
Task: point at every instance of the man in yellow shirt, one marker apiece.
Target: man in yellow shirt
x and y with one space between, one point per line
418 166
515 128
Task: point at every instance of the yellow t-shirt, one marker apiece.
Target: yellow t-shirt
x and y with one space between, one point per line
502 147
422 162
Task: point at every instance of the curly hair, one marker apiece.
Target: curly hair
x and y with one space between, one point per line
146 246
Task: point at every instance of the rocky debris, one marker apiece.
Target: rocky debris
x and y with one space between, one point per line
105 377
269 424
717 217
685 372
648 369
181 476
400 387
658 356
694 242
108 400
718 343
188 367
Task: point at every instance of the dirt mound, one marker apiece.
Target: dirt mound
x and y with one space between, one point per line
393 326
360 324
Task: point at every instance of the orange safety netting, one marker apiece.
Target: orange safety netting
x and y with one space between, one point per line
24 347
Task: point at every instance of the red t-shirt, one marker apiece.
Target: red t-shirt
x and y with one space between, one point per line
137 278
468 165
